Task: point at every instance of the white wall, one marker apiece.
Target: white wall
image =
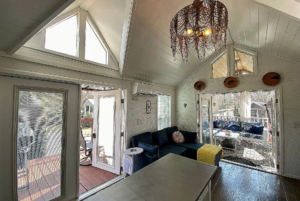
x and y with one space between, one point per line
289 85
12 66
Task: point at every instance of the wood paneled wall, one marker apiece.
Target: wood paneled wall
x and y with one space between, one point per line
135 109
289 86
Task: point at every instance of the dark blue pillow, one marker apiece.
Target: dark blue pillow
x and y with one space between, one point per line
215 124
170 132
257 137
149 148
160 137
189 137
245 126
144 137
256 129
234 127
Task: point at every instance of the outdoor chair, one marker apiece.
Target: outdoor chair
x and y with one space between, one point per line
24 144
87 147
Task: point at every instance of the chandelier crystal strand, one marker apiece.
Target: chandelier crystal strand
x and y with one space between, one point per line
198 28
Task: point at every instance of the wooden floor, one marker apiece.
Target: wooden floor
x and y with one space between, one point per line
91 177
43 179
233 182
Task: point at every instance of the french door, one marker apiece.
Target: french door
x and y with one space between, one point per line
107 131
205 117
39 136
274 127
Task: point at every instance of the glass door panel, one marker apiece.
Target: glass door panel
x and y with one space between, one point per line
205 119
106 136
40 133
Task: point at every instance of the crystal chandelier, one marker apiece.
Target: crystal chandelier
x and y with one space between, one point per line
198 28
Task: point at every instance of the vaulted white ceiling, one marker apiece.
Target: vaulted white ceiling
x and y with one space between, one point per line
263 25
21 19
251 24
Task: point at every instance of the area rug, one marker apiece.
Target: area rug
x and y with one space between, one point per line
240 160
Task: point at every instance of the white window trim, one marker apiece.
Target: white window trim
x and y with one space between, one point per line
230 62
215 60
170 112
83 16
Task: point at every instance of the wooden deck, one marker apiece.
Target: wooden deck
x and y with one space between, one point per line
44 179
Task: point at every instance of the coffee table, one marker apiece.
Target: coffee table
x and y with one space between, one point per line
232 135
172 177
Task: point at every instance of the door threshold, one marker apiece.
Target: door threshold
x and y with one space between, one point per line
101 187
248 166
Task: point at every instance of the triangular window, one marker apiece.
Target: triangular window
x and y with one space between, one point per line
63 36
219 67
94 50
243 63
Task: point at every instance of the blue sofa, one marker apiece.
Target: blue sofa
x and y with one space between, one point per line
160 143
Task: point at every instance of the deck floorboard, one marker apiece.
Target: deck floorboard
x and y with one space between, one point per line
44 179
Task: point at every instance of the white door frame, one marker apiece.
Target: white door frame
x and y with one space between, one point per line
117 140
8 121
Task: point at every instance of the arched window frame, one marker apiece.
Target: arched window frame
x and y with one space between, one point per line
83 16
230 61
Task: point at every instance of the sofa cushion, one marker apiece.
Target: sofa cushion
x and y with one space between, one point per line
160 137
189 137
245 126
170 132
144 137
164 150
149 148
215 124
190 146
223 124
256 129
234 127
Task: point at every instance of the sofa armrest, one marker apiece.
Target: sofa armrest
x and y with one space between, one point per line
142 160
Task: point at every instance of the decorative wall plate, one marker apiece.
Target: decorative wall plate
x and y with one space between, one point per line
271 79
199 86
230 82
148 106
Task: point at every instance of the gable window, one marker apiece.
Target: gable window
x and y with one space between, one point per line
243 63
219 67
163 111
63 36
94 50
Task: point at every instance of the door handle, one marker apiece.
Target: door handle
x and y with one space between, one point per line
94 135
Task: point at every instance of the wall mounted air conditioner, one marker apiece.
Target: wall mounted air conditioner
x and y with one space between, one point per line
144 89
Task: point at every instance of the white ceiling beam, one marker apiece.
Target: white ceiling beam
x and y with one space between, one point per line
36 29
87 4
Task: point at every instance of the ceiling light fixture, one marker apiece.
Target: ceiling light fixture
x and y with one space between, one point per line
198 28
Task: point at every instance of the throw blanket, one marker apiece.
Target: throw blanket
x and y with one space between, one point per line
207 153
128 166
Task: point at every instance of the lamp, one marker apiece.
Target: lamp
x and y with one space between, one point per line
198 28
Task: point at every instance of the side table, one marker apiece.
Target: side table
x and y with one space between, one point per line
131 152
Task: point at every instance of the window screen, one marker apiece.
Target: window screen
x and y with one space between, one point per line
62 36
164 111
39 144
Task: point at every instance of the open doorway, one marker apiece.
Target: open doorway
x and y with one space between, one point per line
245 125
101 137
